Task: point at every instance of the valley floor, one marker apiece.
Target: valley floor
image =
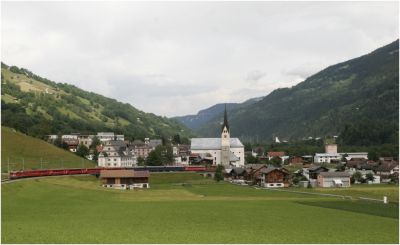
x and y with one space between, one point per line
186 208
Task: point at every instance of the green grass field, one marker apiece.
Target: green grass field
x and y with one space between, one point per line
185 208
23 151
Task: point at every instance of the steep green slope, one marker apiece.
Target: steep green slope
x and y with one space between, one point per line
37 106
358 90
23 151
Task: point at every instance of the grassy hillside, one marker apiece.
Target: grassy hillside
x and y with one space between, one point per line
359 91
19 149
198 213
38 106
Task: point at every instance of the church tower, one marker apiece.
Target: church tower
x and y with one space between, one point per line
225 141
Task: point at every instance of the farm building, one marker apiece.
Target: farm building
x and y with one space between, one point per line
313 171
274 177
124 179
334 179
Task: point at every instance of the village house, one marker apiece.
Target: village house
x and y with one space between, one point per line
387 169
262 175
364 173
351 155
333 179
125 179
295 160
274 177
143 148
313 171
181 154
279 154
71 143
332 156
85 140
106 136
327 158
116 154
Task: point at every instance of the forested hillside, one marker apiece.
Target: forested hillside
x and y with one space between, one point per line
37 106
357 99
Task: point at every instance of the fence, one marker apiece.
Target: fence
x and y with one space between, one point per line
24 163
384 200
311 193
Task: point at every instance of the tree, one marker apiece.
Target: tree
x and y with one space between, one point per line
176 139
340 167
248 158
218 173
140 161
95 142
394 178
369 177
276 161
154 158
82 150
357 176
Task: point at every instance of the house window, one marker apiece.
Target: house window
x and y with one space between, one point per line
115 159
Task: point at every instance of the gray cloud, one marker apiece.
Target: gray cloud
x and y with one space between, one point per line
175 58
254 76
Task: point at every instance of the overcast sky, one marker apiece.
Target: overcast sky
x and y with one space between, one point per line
177 58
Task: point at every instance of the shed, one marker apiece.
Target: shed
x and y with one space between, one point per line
334 179
125 179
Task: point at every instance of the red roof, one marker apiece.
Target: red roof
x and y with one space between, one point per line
276 153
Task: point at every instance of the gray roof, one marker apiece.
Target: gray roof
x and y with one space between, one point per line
334 174
237 171
212 143
233 157
155 142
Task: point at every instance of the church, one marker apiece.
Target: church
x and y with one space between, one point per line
225 150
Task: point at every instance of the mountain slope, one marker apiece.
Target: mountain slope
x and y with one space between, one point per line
21 151
202 117
365 88
38 106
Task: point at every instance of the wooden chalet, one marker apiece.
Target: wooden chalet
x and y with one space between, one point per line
274 177
295 160
125 179
314 171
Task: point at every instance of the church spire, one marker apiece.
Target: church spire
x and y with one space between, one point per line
225 120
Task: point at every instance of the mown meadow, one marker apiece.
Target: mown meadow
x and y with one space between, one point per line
186 208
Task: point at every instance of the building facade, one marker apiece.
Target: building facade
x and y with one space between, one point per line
116 154
226 151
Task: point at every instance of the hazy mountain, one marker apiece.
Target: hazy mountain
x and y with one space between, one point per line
196 121
38 106
363 89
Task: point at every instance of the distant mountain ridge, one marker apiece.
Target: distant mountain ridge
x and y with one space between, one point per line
203 116
364 88
37 106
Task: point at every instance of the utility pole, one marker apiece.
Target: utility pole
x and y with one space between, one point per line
23 163
8 164
41 163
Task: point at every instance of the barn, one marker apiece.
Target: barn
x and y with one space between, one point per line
334 179
125 179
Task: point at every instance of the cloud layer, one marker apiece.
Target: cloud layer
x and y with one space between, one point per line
175 58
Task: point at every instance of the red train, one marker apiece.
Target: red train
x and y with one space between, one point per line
54 172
